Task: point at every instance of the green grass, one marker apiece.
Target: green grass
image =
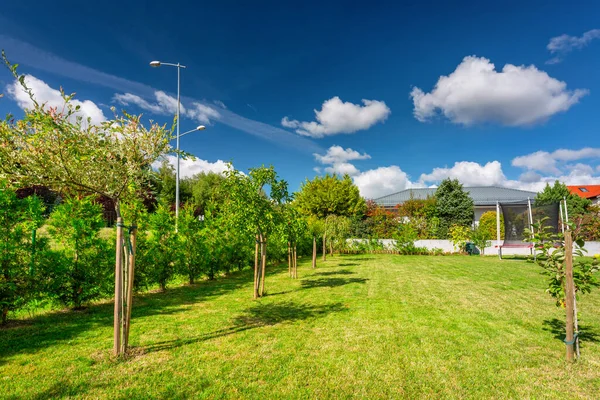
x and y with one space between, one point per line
360 326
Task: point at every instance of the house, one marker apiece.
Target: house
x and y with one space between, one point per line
484 197
591 192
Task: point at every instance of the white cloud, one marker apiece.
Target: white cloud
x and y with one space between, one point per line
337 154
337 117
167 105
220 104
530 177
190 167
476 93
382 181
44 94
544 161
563 44
469 174
203 114
337 158
342 169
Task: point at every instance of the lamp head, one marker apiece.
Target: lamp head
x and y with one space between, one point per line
155 64
200 128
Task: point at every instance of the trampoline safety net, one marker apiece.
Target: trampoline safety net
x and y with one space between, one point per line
516 220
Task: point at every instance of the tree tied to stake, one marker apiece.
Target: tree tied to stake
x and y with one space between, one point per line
58 148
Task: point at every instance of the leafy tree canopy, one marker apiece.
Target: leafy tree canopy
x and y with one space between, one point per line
576 205
330 195
454 205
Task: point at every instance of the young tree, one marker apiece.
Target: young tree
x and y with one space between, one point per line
254 213
18 218
58 148
81 272
454 205
316 227
330 195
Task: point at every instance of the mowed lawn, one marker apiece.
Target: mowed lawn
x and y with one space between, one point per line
364 326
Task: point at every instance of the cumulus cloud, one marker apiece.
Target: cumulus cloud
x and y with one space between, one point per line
543 161
564 44
469 174
44 94
382 181
337 158
190 167
167 105
476 93
336 117
337 154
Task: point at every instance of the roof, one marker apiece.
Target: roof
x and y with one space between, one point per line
481 195
586 191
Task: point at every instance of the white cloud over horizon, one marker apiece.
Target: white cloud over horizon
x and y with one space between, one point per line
50 97
543 161
337 117
381 181
192 166
475 93
564 44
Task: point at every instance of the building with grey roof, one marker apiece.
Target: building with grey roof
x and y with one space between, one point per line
484 197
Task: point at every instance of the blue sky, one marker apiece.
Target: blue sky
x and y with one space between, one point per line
505 93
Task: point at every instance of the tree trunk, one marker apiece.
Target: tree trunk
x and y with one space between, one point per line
118 286
324 247
129 295
569 295
264 265
4 315
331 248
289 259
314 255
295 262
256 250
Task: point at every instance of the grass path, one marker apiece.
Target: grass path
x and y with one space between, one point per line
358 326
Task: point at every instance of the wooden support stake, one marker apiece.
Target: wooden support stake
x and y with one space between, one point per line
264 265
118 288
256 249
289 259
569 293
129 294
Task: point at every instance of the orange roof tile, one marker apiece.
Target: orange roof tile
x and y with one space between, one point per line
585 191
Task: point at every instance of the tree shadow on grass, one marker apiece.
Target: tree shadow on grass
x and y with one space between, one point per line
54 328
350 264
331 282
339 272
257 316
557 328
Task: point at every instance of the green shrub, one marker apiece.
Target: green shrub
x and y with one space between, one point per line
80 267
459 236
488 224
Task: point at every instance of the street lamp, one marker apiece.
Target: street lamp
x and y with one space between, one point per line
199 128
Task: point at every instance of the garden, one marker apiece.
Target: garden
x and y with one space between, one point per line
105 291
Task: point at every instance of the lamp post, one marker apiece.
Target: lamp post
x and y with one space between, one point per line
157 64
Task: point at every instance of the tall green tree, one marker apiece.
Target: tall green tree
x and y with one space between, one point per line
18 219
454 206
254 212
192 246
207 189
163 246
576 206
330 195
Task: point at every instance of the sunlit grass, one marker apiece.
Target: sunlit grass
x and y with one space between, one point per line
370 326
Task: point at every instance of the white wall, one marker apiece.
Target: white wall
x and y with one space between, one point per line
446 246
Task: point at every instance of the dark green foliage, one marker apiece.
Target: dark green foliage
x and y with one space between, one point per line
577 206
80 269
207 189
162 247
454 206
330 195
18 261
192 248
